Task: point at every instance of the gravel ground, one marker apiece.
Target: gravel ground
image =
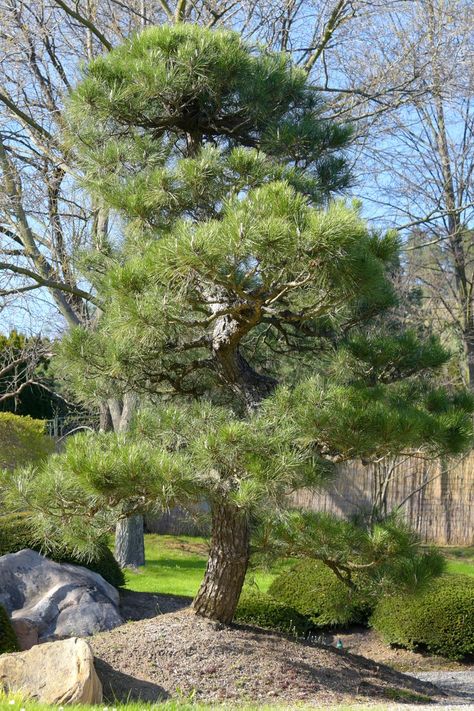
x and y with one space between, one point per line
181 656
142 605
455 706
460 683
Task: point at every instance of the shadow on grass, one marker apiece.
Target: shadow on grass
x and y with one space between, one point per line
184 564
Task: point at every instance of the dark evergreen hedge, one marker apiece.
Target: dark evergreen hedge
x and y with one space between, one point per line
315 592
439 619
8 641
16 534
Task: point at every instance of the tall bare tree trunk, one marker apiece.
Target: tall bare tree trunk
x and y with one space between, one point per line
129 534
129 547
451 201
130 542
227 565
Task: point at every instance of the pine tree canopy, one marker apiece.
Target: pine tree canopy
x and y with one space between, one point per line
270 263
235 259
169 93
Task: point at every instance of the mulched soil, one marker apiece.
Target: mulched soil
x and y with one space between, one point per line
181 656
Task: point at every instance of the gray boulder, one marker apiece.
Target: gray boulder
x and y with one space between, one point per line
48 600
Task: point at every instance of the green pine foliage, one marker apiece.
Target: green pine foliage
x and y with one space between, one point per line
439 620
315 592
181 454
387 358
260 258
8 640
171 90
22 440
17 532
262 610
372 421
346 566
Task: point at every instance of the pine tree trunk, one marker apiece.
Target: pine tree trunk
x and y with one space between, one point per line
129 542
220 590
105 421
227 564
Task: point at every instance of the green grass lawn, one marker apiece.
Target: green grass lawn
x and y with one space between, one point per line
12 703
175 565
460 559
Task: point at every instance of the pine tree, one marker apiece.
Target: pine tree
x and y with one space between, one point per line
237 263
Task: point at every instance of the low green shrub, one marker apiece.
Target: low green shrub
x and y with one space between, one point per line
315 592
22 441
260 609
103 563
439 619
8 641
16 534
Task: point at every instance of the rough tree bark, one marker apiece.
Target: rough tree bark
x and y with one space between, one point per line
129 548
227 564
235 371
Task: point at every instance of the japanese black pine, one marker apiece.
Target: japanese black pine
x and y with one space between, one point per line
241 282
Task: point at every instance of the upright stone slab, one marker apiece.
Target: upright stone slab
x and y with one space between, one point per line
53 673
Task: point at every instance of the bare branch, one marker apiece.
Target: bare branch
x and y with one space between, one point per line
86 23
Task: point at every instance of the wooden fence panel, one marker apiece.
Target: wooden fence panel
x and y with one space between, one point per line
442 511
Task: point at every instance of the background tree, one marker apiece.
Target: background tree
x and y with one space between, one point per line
421 160
28 385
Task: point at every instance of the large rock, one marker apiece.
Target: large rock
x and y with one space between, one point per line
48 600
53 673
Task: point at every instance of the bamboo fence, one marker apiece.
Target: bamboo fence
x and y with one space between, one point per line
437 498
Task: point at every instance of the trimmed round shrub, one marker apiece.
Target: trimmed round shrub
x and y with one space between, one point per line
260 609
16 534
22 441
315 592
8 641
439 619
